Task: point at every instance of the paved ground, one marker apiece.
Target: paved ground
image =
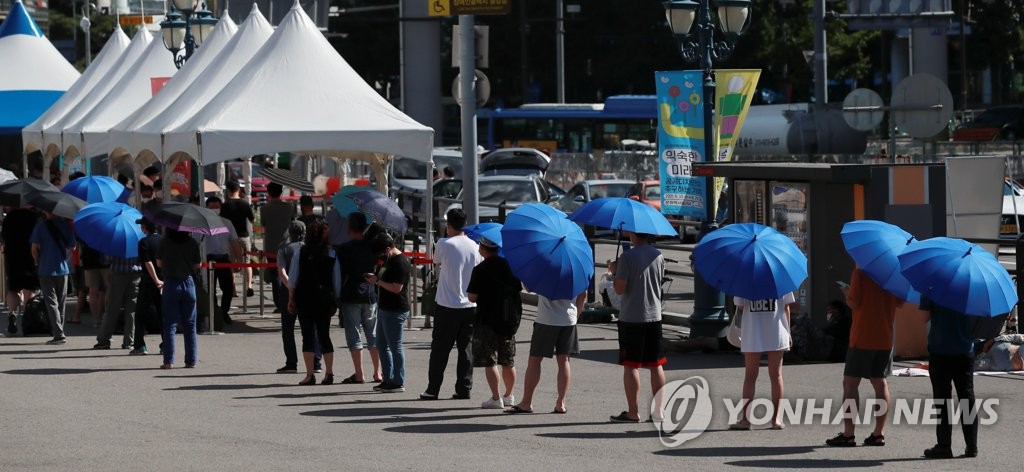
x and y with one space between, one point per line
72 408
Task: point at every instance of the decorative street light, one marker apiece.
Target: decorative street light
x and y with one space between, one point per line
734 17
186 26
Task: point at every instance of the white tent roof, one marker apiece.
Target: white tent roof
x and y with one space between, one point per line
32 135
142 137
120 133
297 94
135 88
54 134
35 74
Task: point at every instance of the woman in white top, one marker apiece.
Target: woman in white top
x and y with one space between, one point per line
764 329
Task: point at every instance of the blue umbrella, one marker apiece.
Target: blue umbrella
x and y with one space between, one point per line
491 231
382 209
344 205
874 246
97 188
751 261
959 275
547 252
110 228
624 214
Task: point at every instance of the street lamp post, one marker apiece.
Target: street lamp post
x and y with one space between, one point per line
186 26
709 317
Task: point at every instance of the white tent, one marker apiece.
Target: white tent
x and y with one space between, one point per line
141 136
297 94
136 87
35 74
54 134
32 135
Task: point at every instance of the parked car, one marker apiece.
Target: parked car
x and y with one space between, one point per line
509 189
1006 122
1012 220
588 190
515 161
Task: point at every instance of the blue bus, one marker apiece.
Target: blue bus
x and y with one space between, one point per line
571 127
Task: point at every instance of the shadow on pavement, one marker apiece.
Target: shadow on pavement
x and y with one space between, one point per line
302 395
739 451
456 428
380 411
676 360
104 356
48 351
644 434
820 463
356 402
200 376
228 387
63 371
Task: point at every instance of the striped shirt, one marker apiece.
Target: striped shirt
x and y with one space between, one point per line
122 265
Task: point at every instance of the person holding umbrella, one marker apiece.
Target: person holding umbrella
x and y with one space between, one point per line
950 361
52 241
638 280
179 259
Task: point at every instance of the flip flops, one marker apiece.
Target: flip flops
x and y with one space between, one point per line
559 412
516 409
623 418
352 380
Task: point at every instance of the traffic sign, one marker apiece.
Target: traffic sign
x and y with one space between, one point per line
863 109
468 7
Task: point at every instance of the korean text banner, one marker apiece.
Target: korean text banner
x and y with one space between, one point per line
680 142
734 89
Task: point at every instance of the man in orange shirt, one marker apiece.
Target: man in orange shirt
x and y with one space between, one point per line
870 353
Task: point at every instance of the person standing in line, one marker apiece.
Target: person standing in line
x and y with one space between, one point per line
306 215
638 279
493 287
123 292
554 334
97 279
285 255
22 279
275 216
314 285
149 306
455 256
223 248
765 331
239 211
869 355
358 298
52 241
179 260
392 311
951 362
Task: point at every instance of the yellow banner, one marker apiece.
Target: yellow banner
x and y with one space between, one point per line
733 92
468 7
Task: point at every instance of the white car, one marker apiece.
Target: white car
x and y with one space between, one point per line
512 190
1013 204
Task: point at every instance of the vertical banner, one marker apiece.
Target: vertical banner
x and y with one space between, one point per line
680 141
734 89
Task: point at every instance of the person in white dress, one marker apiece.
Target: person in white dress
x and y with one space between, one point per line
764 330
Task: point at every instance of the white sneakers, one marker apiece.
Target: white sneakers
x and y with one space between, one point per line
509 400
492 404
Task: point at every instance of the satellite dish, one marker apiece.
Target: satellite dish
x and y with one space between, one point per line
863 109
922 105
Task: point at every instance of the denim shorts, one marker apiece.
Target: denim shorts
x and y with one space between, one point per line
356 315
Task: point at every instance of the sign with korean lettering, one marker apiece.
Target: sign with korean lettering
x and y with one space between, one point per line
680 142
468 7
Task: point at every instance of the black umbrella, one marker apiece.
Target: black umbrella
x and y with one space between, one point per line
287 178
59 203
187 217
13 193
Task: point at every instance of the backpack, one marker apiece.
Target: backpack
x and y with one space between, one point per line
35 320
506 323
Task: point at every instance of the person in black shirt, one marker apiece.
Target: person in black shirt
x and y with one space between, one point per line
22 280
358 298
148 310
491 285
240 213
392 282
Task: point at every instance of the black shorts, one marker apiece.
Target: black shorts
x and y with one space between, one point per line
490 348
868 363
640 344
550 340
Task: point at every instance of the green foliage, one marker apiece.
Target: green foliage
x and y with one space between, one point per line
997 37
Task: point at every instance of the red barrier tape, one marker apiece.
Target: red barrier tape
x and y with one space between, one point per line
225 265
422 261
414 254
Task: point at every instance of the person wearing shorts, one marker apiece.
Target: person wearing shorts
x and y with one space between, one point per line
96 278
491 285
638 279
554 334
870 353
358 301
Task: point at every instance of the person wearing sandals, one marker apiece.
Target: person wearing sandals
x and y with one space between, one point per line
638 279
554 333
765 331
358 302
870 353
178 259
314 285
392 311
